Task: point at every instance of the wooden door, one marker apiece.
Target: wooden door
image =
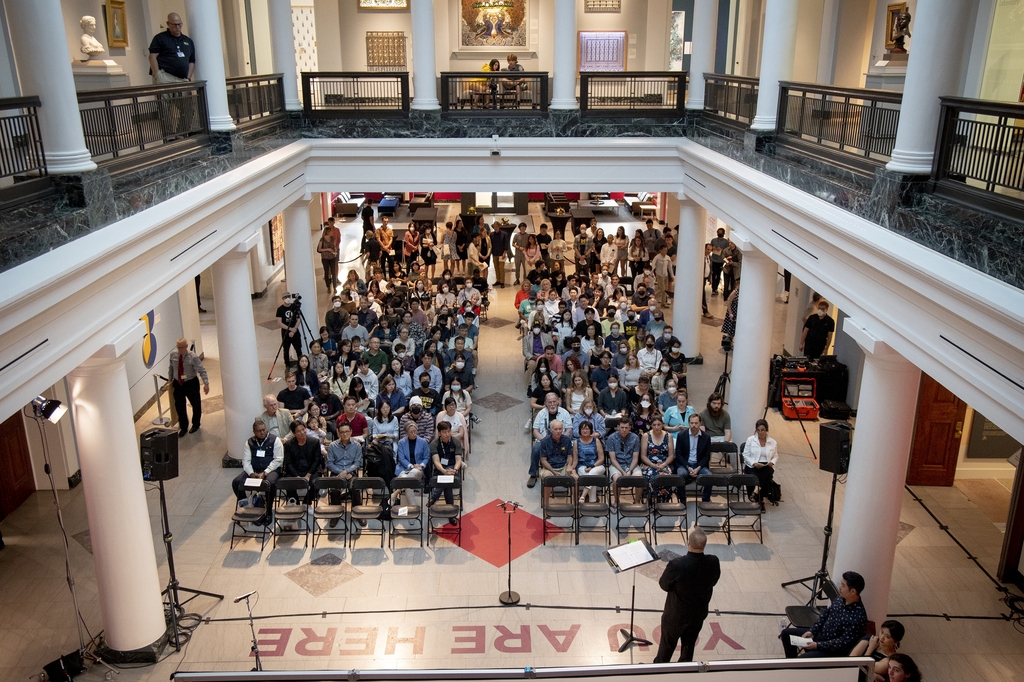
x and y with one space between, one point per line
937 434
16 481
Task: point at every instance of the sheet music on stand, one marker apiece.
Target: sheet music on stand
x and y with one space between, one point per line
630 554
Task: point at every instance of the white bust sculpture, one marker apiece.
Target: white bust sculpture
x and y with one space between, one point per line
90 46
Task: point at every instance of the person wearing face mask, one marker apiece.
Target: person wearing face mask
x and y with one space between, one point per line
660 379
418 415
613 401
288 321
459 373
675 358
444 298
603 373
451 415
665 339
463 400
335 319
817 332
649 356
588 413
668 397
644 414
535 340
677 417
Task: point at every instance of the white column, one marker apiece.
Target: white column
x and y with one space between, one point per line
753 345
799 299
563 89
282 45
236 337
878 469
424 81
933 69
115 499
778 47
202 24
686 306
702 56
298 258
44 68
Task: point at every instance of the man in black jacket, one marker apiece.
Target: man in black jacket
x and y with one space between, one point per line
693 453
838 627
302 457
689 580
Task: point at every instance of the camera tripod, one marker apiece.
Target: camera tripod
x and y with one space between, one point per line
302 327
723 380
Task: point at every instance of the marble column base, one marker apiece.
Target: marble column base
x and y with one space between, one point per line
892 190
92 191
224 142
146 654
760 141
229 462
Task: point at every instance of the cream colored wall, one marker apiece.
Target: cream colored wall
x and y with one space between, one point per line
1004 66
854 37
328 35
354 23
808 41
134 59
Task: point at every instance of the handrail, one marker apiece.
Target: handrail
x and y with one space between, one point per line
979 154
731 99
22 162
123 122
346 94
629 93
254 99
729 78
852 126
512 93
7 103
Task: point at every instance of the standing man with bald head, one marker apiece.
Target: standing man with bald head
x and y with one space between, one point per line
172 54
186 368
689 581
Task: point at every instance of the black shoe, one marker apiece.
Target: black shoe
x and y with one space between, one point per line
453 521
332 523
532 482
202 309
194 428
182 432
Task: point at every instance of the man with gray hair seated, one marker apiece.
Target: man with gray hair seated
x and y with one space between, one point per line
689 581
277 419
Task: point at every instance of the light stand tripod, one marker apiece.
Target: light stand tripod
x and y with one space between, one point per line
172 582
508 597
723 380
819 578
800 419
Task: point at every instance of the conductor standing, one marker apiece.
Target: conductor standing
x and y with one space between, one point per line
689 581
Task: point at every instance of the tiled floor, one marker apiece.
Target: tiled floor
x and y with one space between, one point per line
337 607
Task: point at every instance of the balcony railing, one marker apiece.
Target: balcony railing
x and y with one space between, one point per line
851 126
125 122
980 154
733 99
482 92
256 101
22 164
656 93
354 94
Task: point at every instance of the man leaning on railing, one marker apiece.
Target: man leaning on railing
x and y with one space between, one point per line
172 59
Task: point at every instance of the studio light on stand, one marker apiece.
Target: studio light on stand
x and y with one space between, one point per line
65 667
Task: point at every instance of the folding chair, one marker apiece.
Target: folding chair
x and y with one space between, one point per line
411 514
730 462
254 516
670 510
635 509
740 507
290 507
713 509
557 504
326 510
599 509
443 510
804 616
370 507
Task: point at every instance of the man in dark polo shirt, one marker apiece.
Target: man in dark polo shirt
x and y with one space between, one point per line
172 54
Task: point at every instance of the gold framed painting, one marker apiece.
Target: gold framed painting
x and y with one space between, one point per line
489 24
383 4
117 24
891 15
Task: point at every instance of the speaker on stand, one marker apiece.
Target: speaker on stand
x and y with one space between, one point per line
834 442
158 450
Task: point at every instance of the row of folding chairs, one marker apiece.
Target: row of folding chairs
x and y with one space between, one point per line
568 498
287 514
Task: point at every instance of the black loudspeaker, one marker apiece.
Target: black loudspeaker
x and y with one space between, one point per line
158 449
65 668
834 442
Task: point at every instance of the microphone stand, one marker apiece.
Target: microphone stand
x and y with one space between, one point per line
509 598
252 628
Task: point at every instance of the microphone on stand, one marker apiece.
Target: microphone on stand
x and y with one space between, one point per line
244 596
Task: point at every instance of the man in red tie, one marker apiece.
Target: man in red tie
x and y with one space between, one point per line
186 368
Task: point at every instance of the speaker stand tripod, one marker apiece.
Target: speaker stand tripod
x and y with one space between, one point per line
173 588
818 579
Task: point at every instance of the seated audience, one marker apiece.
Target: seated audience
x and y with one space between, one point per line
760 453
262 457
276 419
693 454
838 627
552 412
588 453
881 646
555 452
903 669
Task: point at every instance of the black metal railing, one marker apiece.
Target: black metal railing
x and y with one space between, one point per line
979 157
733 99
255 101
482 92
354 94
839 122
654 93
120 122
22 163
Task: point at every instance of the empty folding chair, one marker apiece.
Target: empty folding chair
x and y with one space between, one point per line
729 463
742 508
290 508
636 507
560 502
715 508
253 516
407 519
672 510
329 508
372 492
600 510
445 512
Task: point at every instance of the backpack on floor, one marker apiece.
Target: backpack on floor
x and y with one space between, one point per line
773 493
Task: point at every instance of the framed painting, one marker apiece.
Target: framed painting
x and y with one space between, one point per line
276 229
602 50
677 41
485 24
891 15
383 4
117 24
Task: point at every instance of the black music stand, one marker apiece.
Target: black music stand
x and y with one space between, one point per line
627 557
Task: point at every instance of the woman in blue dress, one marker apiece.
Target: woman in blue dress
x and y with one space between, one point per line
589 458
